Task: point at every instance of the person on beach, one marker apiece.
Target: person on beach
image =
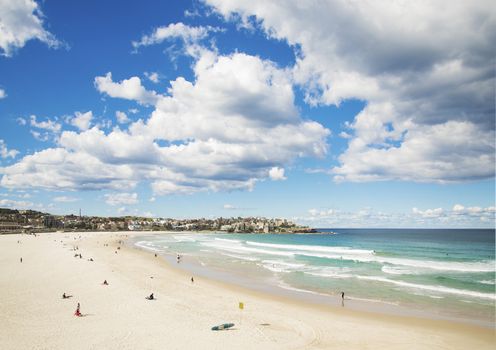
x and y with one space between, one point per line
151 297
105 283
342 295
21 259
78 311
192 280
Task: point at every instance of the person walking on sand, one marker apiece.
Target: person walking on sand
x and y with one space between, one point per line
21 258
342 295
192 280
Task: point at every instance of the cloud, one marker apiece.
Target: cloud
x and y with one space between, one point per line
427 67
174 31
121 117
223 131
229 207
457 217
21 21
40 136
121 198
59 169
9 203
48 125
487 212
65 199
48 129
3 94
152 76
429 213
82 120
276 174
450 152
5 152
129 89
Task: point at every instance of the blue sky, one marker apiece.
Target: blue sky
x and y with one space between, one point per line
308 111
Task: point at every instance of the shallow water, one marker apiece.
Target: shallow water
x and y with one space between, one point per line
448 273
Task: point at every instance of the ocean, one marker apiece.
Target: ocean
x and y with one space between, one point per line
445 273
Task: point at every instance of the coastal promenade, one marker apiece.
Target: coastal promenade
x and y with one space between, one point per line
117 315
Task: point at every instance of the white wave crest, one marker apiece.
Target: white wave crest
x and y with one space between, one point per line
241 249
281 266
398 270
488 282
241 257
227 240
364 255
184 238
311 248
150 246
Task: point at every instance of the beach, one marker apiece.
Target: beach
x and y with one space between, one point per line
117 315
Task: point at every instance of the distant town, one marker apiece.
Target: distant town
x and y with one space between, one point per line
28 221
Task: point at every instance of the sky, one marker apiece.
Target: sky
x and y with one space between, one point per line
331 113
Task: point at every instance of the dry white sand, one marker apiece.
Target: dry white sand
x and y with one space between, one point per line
117 316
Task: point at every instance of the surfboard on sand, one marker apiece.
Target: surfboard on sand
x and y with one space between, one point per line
223 326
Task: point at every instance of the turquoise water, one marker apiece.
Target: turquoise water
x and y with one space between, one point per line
448 273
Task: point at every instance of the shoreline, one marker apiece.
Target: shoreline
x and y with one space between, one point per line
118 316
229 278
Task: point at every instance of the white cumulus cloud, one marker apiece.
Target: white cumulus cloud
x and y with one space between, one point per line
5 152
82 120
222 131
276 173
129 89
121 198
152 76
121 117
21 21
48 125
10 203
173 31
65 199
422 67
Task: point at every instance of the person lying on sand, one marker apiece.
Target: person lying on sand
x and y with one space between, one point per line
65 296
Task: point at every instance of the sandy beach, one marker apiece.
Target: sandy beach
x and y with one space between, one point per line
117 315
